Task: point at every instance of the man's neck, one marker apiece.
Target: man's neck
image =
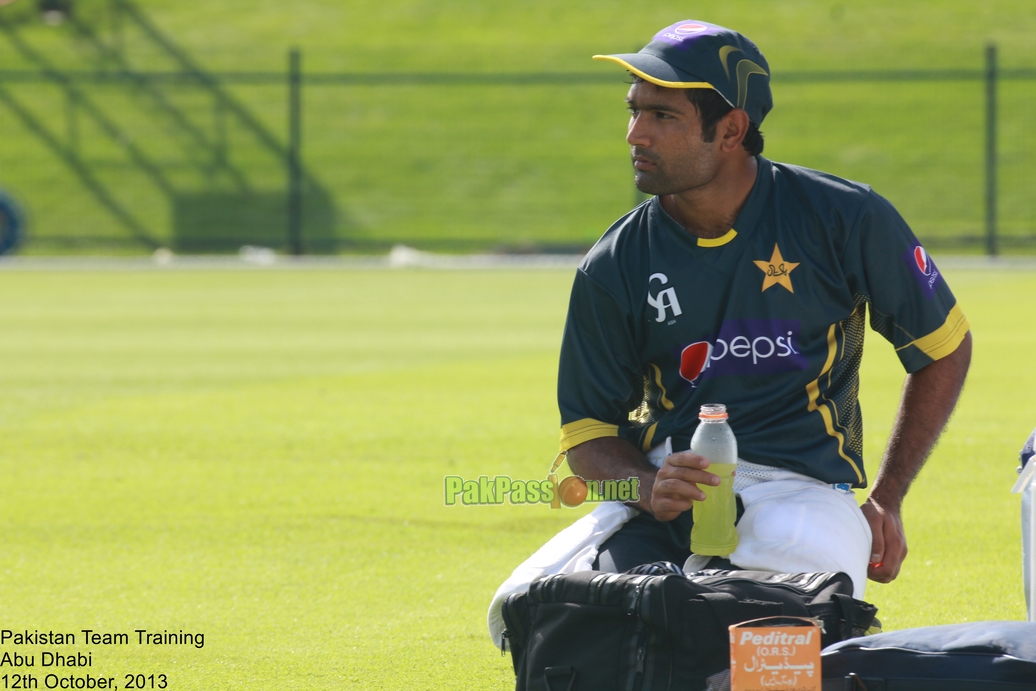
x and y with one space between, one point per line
709 211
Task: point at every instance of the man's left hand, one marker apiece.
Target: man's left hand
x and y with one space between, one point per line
888 542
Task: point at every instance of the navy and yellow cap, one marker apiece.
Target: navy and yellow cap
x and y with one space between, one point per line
698 55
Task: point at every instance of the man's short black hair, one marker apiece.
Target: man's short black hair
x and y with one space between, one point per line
711 109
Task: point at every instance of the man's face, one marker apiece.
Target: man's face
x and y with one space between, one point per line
665 137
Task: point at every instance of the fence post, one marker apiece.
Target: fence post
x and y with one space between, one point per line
294 151
115 17
991 161
72 120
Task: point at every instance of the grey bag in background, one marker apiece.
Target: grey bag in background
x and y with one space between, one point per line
1026 485
978 656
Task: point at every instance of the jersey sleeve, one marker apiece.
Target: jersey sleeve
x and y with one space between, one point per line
910 303
597 367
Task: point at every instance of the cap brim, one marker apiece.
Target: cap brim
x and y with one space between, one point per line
654 70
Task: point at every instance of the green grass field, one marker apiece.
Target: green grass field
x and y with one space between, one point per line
258 455
491 166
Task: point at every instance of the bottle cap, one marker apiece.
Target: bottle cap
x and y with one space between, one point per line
713 411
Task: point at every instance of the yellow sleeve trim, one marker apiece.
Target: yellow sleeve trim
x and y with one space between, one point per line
575 433
654 80
718 242
945 339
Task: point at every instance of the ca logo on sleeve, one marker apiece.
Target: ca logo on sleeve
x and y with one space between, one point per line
664 300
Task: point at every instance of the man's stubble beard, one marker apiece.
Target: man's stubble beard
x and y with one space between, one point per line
652 184
661 181
643 182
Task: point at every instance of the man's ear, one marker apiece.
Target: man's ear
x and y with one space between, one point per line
732 129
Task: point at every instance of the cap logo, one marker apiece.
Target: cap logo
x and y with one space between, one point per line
685 29
724 53
745 69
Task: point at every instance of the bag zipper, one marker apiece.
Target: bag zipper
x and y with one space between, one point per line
507 631
784 586
635 605
642 634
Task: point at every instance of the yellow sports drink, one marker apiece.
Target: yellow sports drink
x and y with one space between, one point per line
713 533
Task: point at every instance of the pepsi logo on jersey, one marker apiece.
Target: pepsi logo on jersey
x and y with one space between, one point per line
744 346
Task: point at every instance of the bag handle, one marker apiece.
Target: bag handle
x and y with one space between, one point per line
727 609
557 672
856 615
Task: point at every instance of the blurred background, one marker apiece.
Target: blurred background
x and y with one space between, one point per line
331 126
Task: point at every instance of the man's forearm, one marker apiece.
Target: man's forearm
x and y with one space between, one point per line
929 396
612 458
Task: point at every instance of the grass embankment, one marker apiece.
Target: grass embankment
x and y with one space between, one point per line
453 167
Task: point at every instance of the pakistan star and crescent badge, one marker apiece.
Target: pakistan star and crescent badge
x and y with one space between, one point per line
777 271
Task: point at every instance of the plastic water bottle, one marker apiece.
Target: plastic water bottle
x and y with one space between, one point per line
713 533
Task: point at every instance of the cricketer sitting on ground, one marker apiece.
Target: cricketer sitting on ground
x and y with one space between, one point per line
746 282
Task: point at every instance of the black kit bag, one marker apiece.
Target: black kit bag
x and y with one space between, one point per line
593 631
978 656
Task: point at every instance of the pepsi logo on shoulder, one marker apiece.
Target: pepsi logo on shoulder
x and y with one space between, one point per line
923 269
924 262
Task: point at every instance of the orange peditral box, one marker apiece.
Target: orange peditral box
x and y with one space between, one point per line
775 654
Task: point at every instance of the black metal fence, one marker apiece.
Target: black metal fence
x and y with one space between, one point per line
105 157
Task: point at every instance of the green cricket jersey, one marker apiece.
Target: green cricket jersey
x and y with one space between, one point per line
768 319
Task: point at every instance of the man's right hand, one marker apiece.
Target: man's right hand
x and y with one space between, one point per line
676 485
665 492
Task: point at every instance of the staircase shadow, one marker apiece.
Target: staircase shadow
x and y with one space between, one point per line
227 203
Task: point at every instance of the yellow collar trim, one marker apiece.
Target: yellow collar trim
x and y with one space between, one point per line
718 242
